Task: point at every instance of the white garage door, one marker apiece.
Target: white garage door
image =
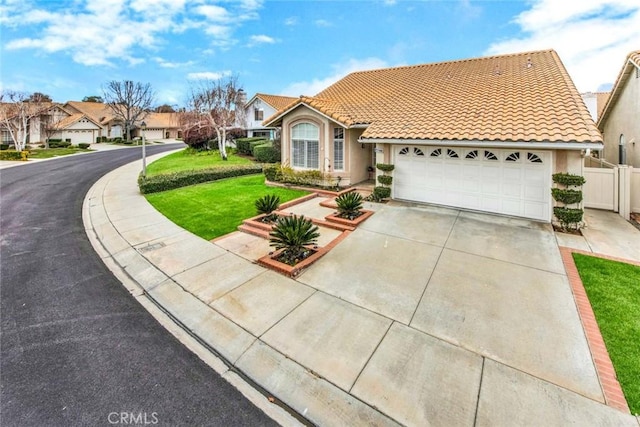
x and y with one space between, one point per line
153 134
510 182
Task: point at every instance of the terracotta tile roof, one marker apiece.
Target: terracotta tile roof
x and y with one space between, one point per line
97 111
9 108
519 97
631 63
68 121
276 101
601 101
161 120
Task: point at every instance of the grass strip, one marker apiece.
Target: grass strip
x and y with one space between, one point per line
613 289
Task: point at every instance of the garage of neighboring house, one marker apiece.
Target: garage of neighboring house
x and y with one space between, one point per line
505 181
154 134
81 136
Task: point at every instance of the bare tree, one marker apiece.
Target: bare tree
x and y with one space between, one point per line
15 113
219 105
129 101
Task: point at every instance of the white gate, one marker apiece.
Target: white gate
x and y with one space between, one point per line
601 188
616 189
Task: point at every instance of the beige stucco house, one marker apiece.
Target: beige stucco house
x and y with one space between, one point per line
482 134
620 118
84 122
259 108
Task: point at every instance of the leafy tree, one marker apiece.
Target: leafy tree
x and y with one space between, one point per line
39 97
216 106
165 108
129 101
93 98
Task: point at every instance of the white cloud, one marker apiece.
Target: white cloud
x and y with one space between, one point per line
167 64
339 71
106 32
592 37
214 13
291 21
208 75
323 23
261 39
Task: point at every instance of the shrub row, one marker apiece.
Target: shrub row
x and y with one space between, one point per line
13 155
246 145
266 153
84 145
59 143
286 174
172 181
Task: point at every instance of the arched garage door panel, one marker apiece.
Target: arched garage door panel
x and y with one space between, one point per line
510 182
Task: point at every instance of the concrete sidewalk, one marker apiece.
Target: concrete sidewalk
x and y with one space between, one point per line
444 318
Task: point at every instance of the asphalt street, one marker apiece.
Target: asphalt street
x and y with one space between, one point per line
76 348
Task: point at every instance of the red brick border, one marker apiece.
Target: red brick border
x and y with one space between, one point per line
613 395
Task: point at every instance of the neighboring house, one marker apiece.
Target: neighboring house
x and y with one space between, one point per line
259 108
595 102
38 115
483 134
620 119
160 126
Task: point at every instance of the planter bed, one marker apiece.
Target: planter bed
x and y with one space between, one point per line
270 262
348 222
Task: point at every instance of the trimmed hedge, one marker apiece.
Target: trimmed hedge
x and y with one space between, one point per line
244 146
59 144
384 167
568 216
271 172
380 193
4 147
266 153
568 179
568 197
172 181
13 155
84 145
385 179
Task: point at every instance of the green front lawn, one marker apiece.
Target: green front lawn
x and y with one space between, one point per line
46 153
217 208
188 160
613 289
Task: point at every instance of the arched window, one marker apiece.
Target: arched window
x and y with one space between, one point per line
304 145
622 152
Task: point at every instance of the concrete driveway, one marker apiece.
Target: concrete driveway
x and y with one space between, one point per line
421 316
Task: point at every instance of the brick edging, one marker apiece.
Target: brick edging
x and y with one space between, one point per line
613 394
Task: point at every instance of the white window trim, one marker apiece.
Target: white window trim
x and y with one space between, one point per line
338 140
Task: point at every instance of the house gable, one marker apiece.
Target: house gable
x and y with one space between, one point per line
619 121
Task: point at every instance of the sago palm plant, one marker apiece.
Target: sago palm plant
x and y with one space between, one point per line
293 233
267 205
349 204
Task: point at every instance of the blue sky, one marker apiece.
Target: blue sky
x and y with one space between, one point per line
69 49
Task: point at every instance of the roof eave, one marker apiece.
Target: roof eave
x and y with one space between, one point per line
625 72
543 145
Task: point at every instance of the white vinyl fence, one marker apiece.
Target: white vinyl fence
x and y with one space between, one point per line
616 189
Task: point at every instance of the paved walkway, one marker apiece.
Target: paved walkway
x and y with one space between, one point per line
422 316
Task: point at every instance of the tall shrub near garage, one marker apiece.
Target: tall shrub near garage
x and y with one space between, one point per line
383 191
569 195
